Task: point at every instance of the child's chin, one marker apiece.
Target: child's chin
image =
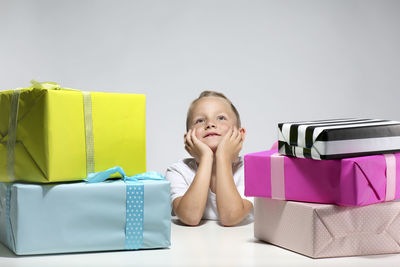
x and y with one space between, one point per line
213 147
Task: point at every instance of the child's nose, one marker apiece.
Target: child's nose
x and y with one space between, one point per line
210 124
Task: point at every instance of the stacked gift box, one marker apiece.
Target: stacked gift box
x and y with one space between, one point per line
328 189
51 140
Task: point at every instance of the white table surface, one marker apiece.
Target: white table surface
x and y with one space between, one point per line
206 245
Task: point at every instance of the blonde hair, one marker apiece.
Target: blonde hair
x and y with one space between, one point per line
213 94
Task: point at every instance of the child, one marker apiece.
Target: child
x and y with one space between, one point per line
211 184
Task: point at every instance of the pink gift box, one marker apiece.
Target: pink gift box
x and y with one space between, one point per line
323 230
355 181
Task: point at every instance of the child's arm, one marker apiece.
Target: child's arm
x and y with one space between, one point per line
190 207
232 208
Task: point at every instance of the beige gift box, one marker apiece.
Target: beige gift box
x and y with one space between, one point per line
323 230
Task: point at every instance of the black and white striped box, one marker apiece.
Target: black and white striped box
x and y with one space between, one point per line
340 138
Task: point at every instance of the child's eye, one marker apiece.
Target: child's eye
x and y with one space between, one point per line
199 121
221 118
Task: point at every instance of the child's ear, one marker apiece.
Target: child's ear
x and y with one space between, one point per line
243 132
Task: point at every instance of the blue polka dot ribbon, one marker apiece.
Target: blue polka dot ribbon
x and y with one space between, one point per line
134 215
134 202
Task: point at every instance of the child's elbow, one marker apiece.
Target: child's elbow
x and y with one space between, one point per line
228 220
232 217
191 220
227 223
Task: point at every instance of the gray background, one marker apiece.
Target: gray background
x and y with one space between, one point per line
277 60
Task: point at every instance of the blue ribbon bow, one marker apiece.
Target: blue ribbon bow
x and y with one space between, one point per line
98 177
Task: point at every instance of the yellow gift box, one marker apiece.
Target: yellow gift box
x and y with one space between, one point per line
54 134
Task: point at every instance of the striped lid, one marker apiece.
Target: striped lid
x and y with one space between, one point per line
304 135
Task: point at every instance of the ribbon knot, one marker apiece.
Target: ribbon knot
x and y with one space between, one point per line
98 177
45 85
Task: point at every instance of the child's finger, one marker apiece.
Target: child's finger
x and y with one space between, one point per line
193 134
234 134
193 137
195 140
186 136
238 135
189 138
228 135
231 132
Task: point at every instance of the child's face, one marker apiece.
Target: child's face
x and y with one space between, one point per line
212 117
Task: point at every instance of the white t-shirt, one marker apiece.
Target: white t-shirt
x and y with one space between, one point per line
182 173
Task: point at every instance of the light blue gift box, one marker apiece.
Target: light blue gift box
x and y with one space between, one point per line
81 216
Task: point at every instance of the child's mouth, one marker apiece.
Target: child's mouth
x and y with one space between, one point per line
211 135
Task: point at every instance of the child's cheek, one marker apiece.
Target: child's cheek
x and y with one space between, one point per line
227 125
225 130
198 132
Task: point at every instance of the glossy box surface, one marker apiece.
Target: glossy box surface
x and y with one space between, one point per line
51 134
354 181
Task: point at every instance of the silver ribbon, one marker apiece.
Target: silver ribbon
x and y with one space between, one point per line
12 134
87 107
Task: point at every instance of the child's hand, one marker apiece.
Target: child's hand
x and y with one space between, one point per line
196 148
230 145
